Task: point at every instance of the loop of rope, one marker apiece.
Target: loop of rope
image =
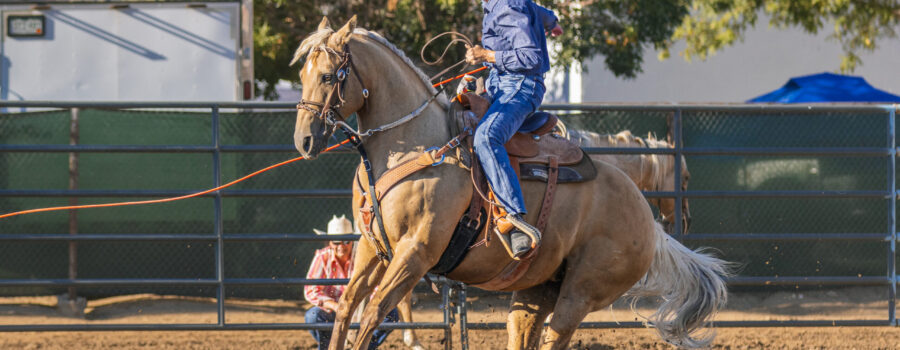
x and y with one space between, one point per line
457 38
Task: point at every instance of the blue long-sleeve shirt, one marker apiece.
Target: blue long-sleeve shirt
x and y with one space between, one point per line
514 29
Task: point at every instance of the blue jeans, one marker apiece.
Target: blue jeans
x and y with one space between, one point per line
514 97
319 315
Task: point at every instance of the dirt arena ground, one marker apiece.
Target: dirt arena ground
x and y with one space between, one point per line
853 303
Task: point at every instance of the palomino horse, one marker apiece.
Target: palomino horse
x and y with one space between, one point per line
650 172
601 240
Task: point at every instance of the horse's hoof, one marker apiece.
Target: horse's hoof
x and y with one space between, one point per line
520 243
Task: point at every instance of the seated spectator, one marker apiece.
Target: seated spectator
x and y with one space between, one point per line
335 261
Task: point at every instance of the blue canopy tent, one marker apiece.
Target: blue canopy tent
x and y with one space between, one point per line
826 87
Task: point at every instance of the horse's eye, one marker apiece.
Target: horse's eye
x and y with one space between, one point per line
326 78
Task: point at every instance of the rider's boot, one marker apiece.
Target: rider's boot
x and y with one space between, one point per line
524 237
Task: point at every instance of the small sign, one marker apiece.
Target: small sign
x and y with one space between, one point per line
25 25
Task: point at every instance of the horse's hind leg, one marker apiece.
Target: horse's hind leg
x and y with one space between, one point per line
527 311
571 307
593 279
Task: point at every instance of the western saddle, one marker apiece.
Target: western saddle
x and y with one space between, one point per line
535 154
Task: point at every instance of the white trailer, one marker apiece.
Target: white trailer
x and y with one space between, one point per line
127 51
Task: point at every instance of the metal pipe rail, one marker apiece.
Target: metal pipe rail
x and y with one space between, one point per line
206 327
888 152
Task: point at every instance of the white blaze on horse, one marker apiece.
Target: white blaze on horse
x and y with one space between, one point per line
601 241
650 172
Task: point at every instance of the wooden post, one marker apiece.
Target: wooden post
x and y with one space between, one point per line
246 58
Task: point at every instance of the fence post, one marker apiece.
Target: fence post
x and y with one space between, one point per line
892 216
73 185
445 305
217 204
69 303
463 317
679 199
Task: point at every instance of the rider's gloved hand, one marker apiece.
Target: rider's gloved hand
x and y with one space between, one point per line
556 31
477 54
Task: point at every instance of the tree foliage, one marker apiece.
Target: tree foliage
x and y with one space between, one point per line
617 29
857 24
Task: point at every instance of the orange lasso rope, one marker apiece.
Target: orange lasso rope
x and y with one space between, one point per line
172 199
164 200
459 76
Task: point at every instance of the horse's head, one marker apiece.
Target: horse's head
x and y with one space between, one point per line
330 89
667 205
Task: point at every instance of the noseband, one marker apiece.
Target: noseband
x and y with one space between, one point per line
327 111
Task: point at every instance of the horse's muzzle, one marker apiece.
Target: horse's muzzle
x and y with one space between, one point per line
308 145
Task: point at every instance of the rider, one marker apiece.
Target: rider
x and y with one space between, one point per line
515 47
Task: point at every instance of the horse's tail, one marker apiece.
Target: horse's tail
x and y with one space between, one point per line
692 289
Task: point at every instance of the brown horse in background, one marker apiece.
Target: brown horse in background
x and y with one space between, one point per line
650 172
601 240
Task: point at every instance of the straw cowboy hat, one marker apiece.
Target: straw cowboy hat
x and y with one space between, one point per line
337 226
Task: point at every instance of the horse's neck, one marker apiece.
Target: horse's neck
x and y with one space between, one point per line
396 91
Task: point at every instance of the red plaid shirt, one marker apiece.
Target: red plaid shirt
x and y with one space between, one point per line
326 265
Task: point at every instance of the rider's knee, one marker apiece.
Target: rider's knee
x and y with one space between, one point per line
485 139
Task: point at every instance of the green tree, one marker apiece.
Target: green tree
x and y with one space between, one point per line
857 24
617 29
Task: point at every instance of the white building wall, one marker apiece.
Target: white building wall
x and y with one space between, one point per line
165 52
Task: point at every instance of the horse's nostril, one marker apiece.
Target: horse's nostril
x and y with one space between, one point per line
307 143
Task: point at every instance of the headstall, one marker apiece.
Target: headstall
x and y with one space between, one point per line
327 110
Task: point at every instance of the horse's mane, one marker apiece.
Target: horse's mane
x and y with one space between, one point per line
319 38
626 138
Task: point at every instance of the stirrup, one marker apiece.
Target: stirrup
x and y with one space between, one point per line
503 228
526 228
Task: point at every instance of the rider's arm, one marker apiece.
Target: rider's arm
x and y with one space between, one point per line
548 18
513 24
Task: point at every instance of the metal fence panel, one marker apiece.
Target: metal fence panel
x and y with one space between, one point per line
801 197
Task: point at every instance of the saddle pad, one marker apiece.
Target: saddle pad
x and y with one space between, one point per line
582 171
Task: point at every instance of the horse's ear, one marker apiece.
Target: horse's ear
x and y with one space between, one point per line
324 24
343 35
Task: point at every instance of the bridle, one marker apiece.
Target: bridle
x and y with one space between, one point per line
328 111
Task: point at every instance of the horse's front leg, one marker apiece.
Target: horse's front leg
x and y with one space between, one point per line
368 270
404 271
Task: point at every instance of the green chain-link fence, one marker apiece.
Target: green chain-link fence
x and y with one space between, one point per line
268 214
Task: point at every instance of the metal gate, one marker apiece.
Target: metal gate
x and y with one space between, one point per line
884 151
